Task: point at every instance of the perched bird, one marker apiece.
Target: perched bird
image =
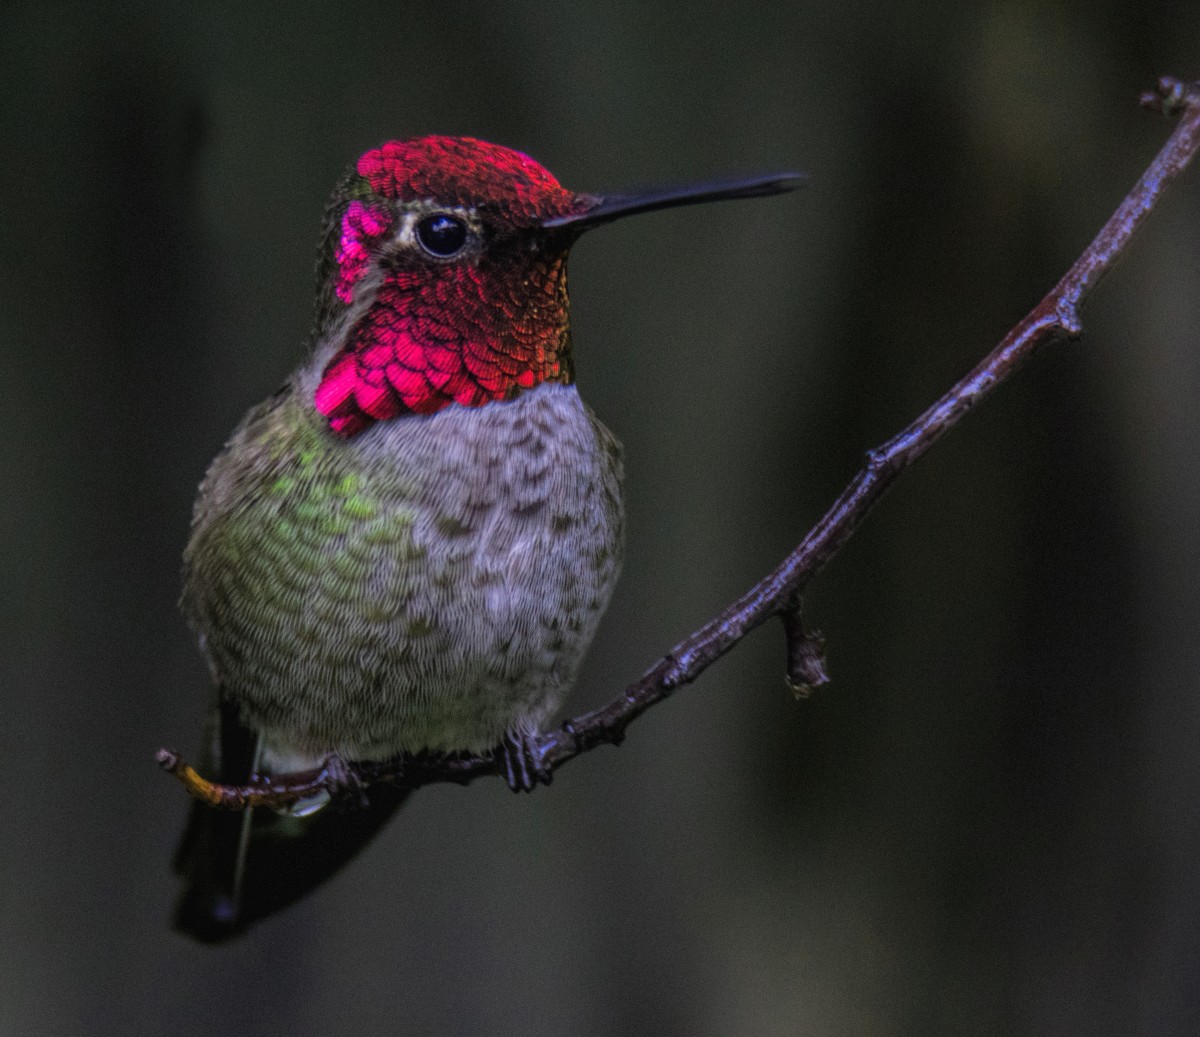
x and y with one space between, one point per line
409 546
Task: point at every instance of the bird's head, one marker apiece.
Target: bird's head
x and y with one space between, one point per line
443 277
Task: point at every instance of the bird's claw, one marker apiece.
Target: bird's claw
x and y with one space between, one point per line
345 787
520 759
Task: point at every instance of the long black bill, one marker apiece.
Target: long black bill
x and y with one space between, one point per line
613 206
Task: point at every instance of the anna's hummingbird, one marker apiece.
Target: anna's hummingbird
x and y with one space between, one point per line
409 546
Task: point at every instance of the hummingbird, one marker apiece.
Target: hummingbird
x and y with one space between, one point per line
409 546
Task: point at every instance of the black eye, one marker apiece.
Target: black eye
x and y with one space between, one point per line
441 235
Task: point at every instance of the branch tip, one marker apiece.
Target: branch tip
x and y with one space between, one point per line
1170 96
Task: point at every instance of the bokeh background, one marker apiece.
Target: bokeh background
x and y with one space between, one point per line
988 824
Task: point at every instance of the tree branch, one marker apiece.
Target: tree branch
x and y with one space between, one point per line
1054 319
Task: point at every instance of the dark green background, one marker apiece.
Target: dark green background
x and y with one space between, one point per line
987 824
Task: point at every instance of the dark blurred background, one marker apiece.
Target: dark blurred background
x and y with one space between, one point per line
989 823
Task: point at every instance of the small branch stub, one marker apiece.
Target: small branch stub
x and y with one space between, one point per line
778 593
805 653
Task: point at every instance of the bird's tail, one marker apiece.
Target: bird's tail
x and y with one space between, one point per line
241 866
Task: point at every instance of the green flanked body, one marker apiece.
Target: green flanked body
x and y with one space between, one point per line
428 585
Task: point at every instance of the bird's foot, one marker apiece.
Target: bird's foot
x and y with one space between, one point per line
346 789
521 763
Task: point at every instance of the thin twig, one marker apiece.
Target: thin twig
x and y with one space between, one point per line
1054 319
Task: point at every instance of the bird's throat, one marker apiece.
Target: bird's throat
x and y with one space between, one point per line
462 334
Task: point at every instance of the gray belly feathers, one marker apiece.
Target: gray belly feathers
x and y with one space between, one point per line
430 584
